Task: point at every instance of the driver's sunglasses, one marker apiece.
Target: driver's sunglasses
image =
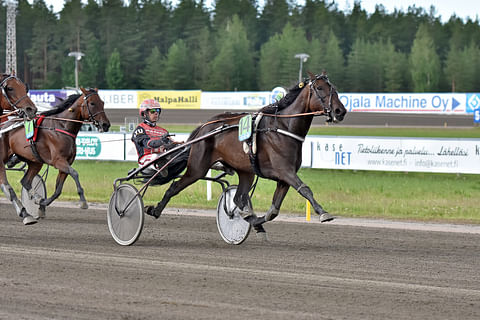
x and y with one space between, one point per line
152 111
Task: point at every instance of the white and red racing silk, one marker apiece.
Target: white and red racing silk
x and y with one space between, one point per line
143 136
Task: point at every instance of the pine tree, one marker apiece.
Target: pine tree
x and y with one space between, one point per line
151 75
424 62
114 73
333 61
42 51
395 65
177 73
278 65
233 67
92 64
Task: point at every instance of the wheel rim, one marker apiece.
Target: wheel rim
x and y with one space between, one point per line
127 227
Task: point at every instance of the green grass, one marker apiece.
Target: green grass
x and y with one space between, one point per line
389 195
381 132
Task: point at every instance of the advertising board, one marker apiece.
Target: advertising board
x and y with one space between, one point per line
397 154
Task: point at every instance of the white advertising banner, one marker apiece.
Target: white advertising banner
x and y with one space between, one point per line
235 100
397 154
100 146
450 103
119 99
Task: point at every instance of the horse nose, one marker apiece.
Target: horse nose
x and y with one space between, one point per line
30 112
105 126
340 113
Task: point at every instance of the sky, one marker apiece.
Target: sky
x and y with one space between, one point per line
445 8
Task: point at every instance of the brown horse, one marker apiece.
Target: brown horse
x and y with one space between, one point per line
54 144
279 133
14 97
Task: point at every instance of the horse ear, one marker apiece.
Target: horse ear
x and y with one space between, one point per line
324 72
311 75
83 90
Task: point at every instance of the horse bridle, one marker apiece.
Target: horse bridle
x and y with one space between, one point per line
91 117
327 109
3 85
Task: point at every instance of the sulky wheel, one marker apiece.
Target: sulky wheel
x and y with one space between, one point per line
125 214
31 199
232 227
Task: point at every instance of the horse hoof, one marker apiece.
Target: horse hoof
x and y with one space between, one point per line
28 220
83 205
262 236
325 217
151 211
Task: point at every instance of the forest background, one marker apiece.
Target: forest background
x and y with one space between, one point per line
236 46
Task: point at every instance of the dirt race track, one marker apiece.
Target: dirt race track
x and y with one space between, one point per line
69 267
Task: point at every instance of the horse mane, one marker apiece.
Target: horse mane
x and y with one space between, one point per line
62 106
285 101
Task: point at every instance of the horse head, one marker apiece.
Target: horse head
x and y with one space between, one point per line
92 109
15 97
326 98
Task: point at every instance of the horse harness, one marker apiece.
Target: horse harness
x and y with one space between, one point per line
250 145
39 119
3 85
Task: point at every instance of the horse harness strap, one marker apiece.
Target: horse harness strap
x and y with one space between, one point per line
250 145
33 140
38 125
4 93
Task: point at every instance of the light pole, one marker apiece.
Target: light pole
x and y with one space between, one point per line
77 55
303 58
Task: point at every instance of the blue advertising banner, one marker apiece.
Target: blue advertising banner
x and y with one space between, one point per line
450 103
46 99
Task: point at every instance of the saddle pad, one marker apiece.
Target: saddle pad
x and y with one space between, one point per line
245 128
29 129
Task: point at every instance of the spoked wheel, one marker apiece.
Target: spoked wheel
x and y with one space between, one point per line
232 227
125 215
38 191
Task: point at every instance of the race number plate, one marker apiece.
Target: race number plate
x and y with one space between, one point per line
245 128
29 129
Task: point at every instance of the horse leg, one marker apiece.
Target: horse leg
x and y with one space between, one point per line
33 169
74 174
272 213
241 198
307 193
187 179
10 194
62 175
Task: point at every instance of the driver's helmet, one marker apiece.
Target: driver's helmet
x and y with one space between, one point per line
148 104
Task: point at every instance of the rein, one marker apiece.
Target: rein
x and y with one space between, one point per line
84 105
8 114
314 113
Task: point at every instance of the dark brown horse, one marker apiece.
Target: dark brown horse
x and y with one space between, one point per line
280 131
54 144
14 98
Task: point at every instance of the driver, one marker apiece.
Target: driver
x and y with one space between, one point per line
151 141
